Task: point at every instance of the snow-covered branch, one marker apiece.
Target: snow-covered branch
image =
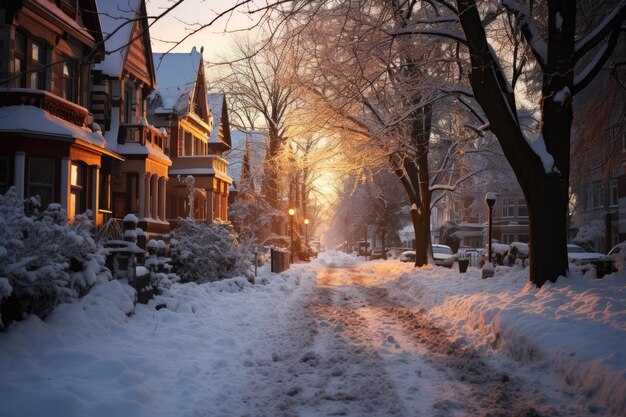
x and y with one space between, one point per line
610 24
444 33
585 77
537 45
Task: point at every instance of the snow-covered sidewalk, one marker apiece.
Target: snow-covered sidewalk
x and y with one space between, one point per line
188 359
196 354
577 324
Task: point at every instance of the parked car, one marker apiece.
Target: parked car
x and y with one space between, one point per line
376 254
395 253
578 256
407 256
443 255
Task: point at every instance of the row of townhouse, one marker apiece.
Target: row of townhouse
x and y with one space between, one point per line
90 118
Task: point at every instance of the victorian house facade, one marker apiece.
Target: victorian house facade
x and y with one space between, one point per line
121 85
197 135
50 146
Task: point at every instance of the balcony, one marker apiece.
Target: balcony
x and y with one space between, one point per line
51 103
200 166
141 134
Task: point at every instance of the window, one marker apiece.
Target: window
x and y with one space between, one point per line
38 56
129 103
19 60
105 191
30 62
41 179
77 195
68 80
508 208
188 144
523 238
522 210
4 175
613 196
597 195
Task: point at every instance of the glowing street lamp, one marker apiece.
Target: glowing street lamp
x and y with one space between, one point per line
306 231
292 212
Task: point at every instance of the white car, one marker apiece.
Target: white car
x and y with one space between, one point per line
578 256
407 256
443 255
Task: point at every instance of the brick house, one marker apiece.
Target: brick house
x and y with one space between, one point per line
50 145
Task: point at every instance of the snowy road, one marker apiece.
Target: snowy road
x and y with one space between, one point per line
362 352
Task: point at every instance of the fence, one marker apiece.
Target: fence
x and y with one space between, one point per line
280 260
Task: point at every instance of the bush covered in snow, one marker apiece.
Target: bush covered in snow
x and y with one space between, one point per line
589 234
209 252
518 253
44 261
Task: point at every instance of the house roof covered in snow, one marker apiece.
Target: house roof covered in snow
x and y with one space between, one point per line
176 76
34 120
118 19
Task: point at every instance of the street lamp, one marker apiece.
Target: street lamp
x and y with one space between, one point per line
292 212
490 199
306 231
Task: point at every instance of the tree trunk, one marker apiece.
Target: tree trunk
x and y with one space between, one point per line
545 185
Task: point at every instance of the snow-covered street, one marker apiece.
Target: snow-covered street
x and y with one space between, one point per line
338 336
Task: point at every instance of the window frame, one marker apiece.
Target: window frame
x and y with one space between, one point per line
32 161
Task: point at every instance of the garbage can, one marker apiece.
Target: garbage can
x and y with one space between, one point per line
463 264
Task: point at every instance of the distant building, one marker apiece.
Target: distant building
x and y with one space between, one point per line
466 217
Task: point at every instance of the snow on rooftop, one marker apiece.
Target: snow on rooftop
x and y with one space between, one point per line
31 119
176 75
117 20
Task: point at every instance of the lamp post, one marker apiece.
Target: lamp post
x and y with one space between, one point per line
306 231
490 199
292 212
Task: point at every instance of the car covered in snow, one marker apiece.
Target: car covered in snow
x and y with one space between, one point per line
578 256
443 255
407 256
395 253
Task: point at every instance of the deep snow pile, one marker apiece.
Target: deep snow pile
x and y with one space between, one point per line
102 356
577 323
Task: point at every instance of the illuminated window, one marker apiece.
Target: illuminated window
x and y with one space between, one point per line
77 195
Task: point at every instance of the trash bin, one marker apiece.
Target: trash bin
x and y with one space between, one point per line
463 264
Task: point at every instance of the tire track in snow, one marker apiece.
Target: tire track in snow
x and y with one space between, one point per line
352 350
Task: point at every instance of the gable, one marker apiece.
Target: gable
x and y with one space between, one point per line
201 105
138 57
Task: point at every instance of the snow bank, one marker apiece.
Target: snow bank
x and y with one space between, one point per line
577 323
184 354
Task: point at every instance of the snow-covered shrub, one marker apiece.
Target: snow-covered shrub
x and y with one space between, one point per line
518 251
44 261
209 252
498 253
589 235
